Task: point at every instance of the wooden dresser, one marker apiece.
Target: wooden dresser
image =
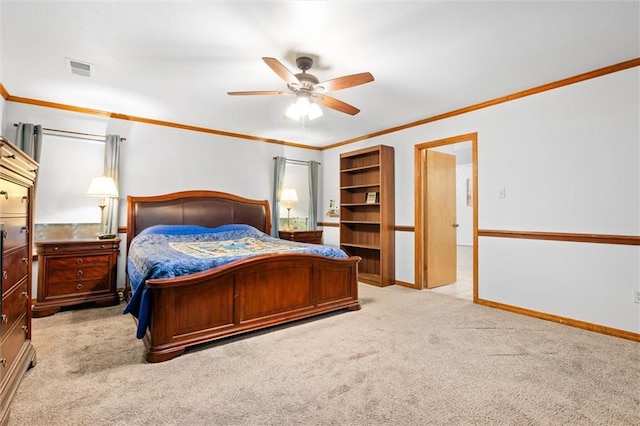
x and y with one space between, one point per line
17 179
73 272
311 237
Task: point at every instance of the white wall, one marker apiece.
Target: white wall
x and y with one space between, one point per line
569 160
2 104
158 160
464 211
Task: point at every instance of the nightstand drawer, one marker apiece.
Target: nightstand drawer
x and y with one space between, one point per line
311 237
83 273
77 287
77 261
83 246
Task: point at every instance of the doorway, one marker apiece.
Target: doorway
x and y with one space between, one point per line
446 212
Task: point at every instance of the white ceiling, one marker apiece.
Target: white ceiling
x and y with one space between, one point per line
175 61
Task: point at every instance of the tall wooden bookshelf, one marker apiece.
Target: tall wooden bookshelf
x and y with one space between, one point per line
367 222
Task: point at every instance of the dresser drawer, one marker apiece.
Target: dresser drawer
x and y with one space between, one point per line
14 305
15 266
17 161
14 199
15 232
78 287
12 342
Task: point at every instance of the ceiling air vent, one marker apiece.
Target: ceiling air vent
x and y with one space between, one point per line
80 68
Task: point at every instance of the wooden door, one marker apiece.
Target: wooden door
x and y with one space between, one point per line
439 171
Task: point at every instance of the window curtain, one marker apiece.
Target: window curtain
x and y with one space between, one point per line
29 139
112 169
313 195
279 165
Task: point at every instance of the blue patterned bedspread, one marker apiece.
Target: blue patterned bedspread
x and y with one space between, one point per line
166 251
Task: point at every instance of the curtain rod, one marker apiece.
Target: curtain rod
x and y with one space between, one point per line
79 135
290 160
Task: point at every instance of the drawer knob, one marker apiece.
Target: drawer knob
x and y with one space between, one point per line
25 294
55 248
5 194
25 259
3 361
4 275
79 273
79 286
4 318
79 261
25 229
26 329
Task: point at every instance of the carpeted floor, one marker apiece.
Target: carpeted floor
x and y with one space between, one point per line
408 357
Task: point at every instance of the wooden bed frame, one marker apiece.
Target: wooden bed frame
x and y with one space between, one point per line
246 295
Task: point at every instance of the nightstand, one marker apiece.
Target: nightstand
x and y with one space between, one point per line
312 237
74 272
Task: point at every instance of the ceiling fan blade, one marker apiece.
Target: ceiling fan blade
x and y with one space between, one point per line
282 71
344 82
257 92
336 104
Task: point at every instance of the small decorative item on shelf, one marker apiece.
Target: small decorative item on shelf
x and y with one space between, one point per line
372 198
333 209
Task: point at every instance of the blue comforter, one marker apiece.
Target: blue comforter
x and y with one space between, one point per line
166 251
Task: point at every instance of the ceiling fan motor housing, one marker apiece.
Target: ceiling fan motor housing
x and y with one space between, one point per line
304 63
307 81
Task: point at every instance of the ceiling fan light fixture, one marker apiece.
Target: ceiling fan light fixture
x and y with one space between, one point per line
303 107
314 111
293 112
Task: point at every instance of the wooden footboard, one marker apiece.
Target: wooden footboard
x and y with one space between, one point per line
251 294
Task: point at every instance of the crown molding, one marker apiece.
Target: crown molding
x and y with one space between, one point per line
4 92
632 63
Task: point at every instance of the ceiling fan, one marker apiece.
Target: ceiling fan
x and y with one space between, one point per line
309 90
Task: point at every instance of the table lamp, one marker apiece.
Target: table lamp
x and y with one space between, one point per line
103 187
289 197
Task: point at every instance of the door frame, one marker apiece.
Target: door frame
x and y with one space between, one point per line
419 202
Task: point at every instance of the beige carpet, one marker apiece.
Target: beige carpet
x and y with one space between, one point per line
408 357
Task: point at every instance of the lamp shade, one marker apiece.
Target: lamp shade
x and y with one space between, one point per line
289 196
103 186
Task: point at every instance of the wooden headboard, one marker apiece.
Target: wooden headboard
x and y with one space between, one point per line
204 208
